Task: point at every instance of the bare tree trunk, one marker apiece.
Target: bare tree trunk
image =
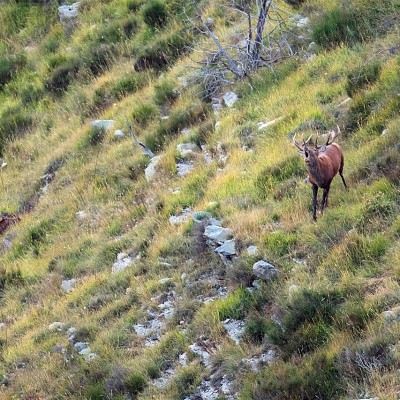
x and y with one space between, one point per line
262 17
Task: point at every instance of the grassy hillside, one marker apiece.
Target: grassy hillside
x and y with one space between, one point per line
325 326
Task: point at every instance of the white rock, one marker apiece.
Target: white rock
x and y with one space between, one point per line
90 356
103 123
186 149
228 248
123 262
3 325
230 98
344 102
180 219
217 233
79 346
68 14
164 281
202 353
151 168
264 270
184 169
56 325
81 215
384 132
263 125
185 131
235 329
184 277
68 285
252 250
262 359
303 22
119 133
85 351
71 334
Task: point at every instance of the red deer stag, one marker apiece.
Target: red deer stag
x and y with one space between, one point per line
323 163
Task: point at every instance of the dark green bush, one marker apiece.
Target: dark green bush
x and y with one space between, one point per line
155 14
143 113
164 91
362 77
93 137
62 76
7 277
127 85
14 122
134 5
9 67
306 322
360 110
135 384
98 58
162 51
317 378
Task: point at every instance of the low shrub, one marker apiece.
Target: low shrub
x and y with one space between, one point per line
143 113
61 77
14 122
10 65
135 383
362 77
164 91
155 14
10 277
93 137
163 51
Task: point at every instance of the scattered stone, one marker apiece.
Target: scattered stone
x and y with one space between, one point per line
258 361
123 262
263 125
150 171
5 381
184 168
56 326
164 117
85 351
71 334
175 190
163 281
119 133
252 250
68 285
264 270
228 248
206 155
392 316
3 325
103 124
79 346
202 353
301 21
184 277
384 132
165 264
210 22
217 233
164 379
128 291
58 349
183 359
235 329
90 356
180 219
81 215
186 149
68 15
230 98
214 222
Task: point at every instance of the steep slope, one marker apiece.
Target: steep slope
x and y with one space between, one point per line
111 285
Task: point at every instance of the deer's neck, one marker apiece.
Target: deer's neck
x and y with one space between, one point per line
316 173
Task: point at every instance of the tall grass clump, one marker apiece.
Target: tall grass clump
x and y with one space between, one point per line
155 14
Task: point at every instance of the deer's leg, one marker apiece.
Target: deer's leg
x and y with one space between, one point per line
341 173
325 199
315 192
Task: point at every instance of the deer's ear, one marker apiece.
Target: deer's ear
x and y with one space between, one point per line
301 152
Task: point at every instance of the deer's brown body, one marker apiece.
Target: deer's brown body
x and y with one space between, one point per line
323 163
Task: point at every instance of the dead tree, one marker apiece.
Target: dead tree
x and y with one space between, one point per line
260 38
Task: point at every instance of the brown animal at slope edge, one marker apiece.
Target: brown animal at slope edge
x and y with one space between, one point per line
323 163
